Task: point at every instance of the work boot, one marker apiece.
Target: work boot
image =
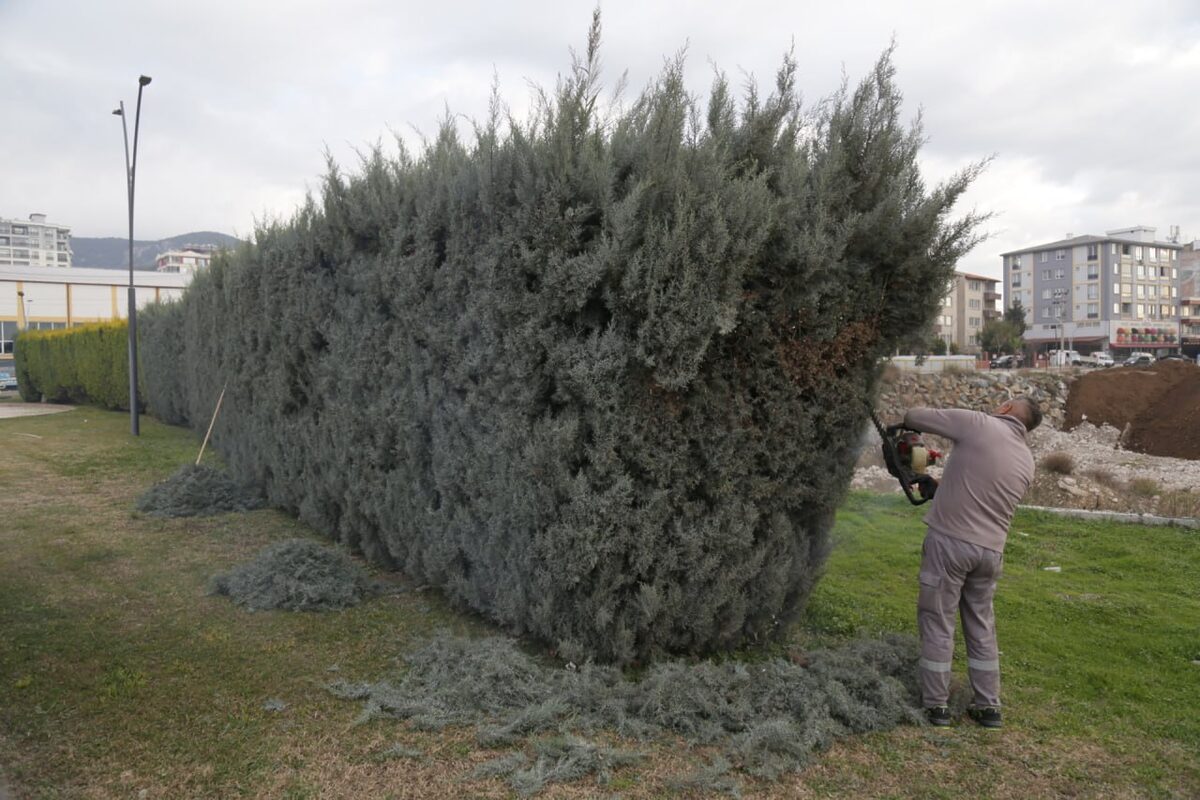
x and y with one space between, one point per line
988 717
938 715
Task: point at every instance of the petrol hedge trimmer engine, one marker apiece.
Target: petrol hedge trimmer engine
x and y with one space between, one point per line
907 457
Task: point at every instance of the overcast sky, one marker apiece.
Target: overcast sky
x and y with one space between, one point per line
1091 108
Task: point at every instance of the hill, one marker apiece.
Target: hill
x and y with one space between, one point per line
111 252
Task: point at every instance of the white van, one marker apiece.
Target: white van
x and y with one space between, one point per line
1063 358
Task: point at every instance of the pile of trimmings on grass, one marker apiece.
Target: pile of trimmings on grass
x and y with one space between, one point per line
296 575
194 491
763 717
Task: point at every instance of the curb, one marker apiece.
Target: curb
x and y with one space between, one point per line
1118 516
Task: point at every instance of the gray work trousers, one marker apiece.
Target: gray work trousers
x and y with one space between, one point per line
958 576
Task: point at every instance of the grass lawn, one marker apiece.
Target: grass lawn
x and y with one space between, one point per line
120 677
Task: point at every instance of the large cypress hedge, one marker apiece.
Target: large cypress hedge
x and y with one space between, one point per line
600 377
84 364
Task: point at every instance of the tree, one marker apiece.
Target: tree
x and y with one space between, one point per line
1005 335
573 371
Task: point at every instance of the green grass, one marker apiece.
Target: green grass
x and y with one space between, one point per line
119 674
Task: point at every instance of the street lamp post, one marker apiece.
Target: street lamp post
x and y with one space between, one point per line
130 173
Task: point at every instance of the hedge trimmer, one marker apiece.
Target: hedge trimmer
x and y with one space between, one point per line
906 456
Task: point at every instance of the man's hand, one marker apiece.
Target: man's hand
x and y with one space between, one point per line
927 486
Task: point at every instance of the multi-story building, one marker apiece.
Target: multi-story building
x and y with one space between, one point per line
187 259
1189 298
34 243
969 303
1119 291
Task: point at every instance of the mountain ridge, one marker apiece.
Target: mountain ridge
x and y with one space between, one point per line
112 252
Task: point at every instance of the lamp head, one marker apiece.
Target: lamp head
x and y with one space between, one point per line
118 112
143 80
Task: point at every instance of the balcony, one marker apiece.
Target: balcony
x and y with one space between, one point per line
991 296
991 313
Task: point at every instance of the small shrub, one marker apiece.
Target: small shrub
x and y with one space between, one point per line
295 575
1103 477
1181 503
1059 462
194 491
1144 487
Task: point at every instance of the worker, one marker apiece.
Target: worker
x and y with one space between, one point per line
989 470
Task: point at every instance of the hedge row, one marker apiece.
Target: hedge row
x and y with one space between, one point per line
86 364
600 378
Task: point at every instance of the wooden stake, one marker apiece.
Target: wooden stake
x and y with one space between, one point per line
216 411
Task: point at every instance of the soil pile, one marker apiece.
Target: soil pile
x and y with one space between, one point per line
194 491
1160 404
296 575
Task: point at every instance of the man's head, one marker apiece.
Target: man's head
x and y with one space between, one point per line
1024 408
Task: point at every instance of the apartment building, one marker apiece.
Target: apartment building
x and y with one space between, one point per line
34 243
1119 291
187 259
970 301
1189 298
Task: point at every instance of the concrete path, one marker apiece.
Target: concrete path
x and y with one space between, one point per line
12 410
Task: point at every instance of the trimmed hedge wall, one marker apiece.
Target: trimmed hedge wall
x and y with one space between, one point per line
87 364
600 378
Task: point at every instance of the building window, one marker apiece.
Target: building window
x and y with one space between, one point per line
974 322
1045 294
1141 291
1126 249
1060 255
1093 291
973 286
1016 281
1015 262
1045 312
1059 274
1093 272
1141 311
1093 252
1045 274
974 303
8 332
1093 311
1116 308
1043 257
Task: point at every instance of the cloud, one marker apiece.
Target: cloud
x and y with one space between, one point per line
1086 106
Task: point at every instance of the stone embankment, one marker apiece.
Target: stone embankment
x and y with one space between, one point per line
978 391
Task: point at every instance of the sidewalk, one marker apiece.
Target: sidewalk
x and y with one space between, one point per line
13 410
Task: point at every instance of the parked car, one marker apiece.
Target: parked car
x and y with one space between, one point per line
8 380
1006 362
1175 357
1139 360
1102 358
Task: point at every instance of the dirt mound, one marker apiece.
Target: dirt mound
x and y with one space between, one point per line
1159 403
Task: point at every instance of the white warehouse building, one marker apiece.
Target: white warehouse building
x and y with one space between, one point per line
49 297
